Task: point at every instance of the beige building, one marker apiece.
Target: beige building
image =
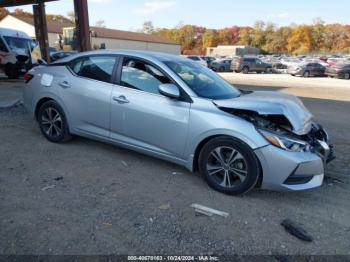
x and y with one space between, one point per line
111 38
232 50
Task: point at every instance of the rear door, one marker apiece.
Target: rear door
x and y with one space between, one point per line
141 116
86 93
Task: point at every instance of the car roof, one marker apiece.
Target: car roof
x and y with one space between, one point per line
149 55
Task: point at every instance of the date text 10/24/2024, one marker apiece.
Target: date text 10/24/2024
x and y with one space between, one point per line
173 258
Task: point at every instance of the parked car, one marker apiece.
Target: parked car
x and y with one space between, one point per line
62 54
173 108
307 69
15 49
198 60
223 65
339 70
208 59
250 64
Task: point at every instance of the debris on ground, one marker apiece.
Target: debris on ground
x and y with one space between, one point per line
107 224
48 187
203 210
58 178
296 230
331 180
124 163
176 173
164 206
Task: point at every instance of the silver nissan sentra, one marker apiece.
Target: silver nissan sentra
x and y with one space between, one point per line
169 107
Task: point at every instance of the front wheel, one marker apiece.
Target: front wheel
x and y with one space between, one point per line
347 76
306 74
229 166
245 70
53 123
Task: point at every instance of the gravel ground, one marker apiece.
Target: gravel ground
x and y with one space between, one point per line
85 197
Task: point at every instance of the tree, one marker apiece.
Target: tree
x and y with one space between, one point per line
245 36
300 40
3 12
210 38
259 35
147 27
71 15
100 23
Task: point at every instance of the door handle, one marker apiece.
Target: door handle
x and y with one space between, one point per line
120 99
64 84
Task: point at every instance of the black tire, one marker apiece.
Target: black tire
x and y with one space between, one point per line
292 74
347 76
11 71
258 72
245 70
222 69
237 71
306 74
248 161
267 70
59 127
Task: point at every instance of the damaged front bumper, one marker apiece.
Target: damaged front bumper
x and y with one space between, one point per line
285 170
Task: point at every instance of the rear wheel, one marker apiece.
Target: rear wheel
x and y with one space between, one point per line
267 70
245 70
229 166
222 69
347 76
306 74
53 123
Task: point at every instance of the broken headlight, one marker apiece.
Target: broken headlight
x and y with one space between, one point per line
284 142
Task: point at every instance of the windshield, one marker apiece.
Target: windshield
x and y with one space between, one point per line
204 82
19 43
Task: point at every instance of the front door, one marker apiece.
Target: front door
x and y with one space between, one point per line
143 117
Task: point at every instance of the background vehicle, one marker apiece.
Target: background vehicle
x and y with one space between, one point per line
141 99
223 65
250 64
208 59
307 69
15 52
339 70
198 60
62 54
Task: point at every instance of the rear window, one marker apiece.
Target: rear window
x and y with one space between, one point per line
95 67
249 59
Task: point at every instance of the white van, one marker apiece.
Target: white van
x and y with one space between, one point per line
15 52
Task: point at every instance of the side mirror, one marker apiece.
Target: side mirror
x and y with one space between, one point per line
169 90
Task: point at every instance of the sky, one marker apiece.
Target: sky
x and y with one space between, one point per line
130 14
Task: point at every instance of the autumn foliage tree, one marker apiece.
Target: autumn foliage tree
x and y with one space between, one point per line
317 37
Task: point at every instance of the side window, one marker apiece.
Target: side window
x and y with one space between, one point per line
139 75
3 46
95 67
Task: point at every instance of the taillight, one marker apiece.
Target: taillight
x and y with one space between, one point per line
27 77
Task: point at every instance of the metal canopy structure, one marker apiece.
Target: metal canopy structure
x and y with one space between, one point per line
81 23
9 3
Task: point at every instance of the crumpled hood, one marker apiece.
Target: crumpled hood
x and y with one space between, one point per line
273 103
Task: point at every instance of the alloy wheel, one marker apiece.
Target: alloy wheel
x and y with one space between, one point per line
227 167
51 122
